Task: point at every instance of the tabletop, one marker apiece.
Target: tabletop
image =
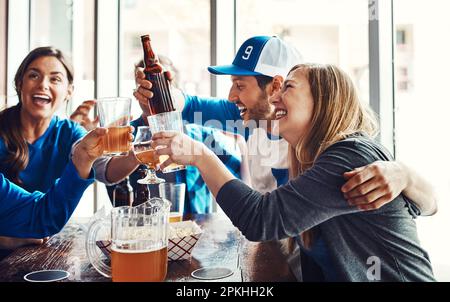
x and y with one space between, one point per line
221 245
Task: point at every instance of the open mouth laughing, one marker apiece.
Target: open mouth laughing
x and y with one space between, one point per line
242 110
280 113
41 99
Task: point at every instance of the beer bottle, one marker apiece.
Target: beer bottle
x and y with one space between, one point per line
123 194
142 193
162 98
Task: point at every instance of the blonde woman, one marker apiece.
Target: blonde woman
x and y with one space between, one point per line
329 133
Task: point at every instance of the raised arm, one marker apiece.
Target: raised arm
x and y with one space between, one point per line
212 112
377 184
184 150
304 202
37 215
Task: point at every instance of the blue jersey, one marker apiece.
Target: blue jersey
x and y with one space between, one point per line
198 196
48 155
38 215
268 161
214 113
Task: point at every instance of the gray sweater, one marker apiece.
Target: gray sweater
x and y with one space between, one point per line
380 245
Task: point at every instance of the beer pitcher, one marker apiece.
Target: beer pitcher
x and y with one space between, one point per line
139 238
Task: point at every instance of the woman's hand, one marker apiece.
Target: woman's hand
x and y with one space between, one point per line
183 150
180 148
90 148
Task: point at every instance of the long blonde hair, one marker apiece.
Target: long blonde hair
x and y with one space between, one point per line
337 114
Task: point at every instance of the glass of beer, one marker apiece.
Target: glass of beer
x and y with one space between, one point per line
174 192
167 121
146 155
114 114
139 239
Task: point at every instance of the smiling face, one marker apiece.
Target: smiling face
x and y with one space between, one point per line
251 100
294 106
44 88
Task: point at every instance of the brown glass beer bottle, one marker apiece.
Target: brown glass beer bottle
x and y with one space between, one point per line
162 97
123 194
142 193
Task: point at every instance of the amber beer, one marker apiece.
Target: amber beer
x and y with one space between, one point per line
116 140
149 158
146 155
175 217
162 98
138 266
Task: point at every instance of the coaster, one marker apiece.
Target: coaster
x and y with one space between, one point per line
212 273
46 276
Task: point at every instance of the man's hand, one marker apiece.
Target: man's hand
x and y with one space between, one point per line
143 90
144 94
374 185
81 115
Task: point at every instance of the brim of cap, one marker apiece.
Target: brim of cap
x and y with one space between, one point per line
231 70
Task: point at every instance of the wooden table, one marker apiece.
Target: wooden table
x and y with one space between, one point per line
221 244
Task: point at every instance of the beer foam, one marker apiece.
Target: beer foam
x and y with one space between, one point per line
128 251
139 233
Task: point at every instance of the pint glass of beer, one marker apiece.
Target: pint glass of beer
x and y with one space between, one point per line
167 121
114 114
139 239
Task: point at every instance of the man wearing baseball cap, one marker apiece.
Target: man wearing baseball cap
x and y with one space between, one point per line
257 72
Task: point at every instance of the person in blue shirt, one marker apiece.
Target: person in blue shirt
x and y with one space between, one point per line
35 145
257 75
25 214
198 199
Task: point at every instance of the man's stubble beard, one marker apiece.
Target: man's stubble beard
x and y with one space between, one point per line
263 113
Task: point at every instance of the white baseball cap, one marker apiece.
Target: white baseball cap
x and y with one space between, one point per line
261 55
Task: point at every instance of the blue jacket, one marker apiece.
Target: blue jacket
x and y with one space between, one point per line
48 155
37 215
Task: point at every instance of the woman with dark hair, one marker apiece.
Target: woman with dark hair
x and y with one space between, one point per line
36 145
330 132
37 215
32 139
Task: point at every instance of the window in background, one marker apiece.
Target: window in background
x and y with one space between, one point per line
69 26
324 31
3 44
422 109
180 30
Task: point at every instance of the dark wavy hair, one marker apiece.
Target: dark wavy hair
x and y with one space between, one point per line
10 126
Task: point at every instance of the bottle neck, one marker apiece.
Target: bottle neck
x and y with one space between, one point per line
150 58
